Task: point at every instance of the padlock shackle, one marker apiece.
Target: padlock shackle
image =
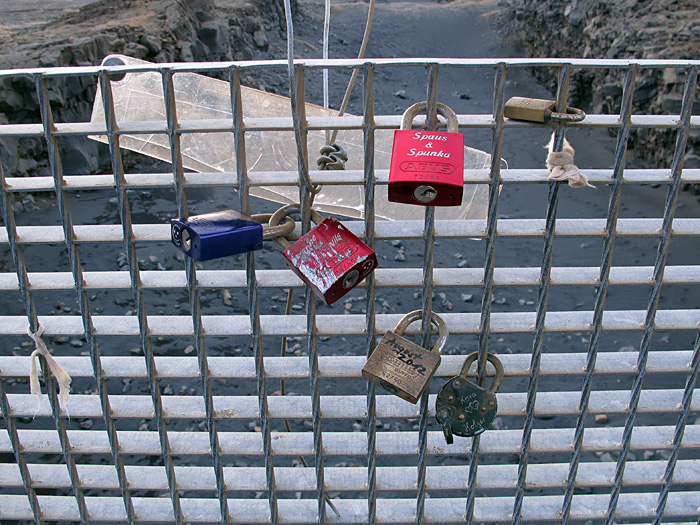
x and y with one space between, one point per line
442 109
498 378
285 211
272 232
435 319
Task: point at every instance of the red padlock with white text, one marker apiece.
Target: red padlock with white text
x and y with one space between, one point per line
330 259
427 167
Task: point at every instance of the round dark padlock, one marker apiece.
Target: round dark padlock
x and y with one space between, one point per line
462 407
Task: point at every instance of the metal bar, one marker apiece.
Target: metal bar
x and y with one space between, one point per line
601 293
664 244
438 510
431 122
23 283
142 316
268 178
306 194
412 229
485 320
671 472
34 326
348 63
384 277
544 441
468 120
295 325
78 284
371 342
542 299
643 474
347 406
252 289
231 367
193 291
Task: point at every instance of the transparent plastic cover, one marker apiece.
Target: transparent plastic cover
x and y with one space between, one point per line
138 97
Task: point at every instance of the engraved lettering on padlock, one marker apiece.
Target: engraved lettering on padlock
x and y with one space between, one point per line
222 233
462 407
330 259
401 367
419 157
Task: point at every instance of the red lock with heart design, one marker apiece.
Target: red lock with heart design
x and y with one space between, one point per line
427 167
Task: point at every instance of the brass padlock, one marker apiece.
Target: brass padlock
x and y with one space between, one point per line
464 408
539 110
402 367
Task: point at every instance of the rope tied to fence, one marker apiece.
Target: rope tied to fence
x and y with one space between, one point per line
562 168
64 380
332 157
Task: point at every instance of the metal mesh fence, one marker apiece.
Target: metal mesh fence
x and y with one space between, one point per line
177 412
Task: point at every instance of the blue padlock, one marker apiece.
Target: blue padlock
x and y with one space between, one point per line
223 233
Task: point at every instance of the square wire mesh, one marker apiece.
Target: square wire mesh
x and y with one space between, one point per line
178 410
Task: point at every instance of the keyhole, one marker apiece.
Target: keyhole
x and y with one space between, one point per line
186 240
425 193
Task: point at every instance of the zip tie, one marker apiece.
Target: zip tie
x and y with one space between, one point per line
64 380
562 168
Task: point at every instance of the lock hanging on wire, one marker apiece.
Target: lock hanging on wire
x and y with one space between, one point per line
330 259
539 110
462 407
223 233
427 167
401 367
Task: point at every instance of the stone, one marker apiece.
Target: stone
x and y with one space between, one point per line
691 161
672 103
401 93
214 35
601 419
575 16
117 45
260 39
152 43
612 90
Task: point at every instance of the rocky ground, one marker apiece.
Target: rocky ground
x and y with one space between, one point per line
78 33
641 29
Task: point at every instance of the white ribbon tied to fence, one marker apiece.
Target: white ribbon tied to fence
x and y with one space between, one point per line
562 168
58 372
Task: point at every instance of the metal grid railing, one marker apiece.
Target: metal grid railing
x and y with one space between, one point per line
54 469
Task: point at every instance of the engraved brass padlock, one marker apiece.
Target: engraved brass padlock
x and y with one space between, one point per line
539 110
401 367
465 409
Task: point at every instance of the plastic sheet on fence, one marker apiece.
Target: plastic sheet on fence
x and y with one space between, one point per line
138 98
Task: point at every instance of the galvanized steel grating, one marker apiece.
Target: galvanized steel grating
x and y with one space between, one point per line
177 411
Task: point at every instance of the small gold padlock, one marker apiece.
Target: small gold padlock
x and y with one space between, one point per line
539 110
401 367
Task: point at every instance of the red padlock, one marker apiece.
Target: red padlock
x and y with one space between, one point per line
330 259
427 167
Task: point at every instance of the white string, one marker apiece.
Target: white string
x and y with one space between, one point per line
562 168
326 32
64 380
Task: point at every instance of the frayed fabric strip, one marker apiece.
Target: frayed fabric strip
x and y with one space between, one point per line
64 380
562 168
